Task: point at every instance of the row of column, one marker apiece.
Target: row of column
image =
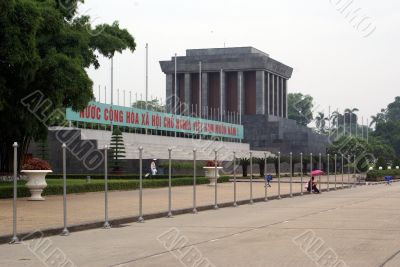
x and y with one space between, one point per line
243 92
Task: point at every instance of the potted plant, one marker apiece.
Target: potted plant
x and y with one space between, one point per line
212 171
36 170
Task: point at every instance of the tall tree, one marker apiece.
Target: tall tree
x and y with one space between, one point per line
45 49
117 149
393 110
379 118
389 132
352 117
320 122
300 108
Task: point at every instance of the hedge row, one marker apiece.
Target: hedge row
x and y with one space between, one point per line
181 165
111 176
55 187
379 175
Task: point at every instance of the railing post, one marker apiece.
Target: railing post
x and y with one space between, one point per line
348 171
234 180
65 231
291 173
335 171
328 171
342 171
265 176
251 177
319 176
194 181
311 169
15 239
279 175
301 173
216 180
355 171
106 223
169 184
140 185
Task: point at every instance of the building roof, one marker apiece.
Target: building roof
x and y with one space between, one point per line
228 59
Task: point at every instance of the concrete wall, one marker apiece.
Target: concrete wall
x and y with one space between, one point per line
276 134
85 152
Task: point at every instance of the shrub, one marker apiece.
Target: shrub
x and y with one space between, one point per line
380 163
55 187
98 176
379 175
181 165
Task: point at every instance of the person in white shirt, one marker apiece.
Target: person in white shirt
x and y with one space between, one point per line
153 168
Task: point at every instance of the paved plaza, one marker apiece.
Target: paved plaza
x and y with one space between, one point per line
89 207
354 227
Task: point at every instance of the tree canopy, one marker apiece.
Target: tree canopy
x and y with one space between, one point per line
300 108
387 125
46 46
365 152
154 105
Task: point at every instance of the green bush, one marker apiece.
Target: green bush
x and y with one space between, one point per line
377 175
111 177
181 165
380 163
55 187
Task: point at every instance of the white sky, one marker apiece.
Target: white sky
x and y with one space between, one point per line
332 60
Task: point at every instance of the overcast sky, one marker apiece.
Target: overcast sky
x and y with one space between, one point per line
338 64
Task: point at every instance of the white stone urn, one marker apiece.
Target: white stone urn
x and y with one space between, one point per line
36 183
210 174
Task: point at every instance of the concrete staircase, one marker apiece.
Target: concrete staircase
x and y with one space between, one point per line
156 147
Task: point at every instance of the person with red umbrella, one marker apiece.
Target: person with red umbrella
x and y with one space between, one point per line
312 185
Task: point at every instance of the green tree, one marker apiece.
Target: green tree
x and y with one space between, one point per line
393 110
389 132
351 118
365 152
46 46
117 149
300 108
153 105
379 118
320 122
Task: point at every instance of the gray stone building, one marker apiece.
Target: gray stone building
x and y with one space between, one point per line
212 83
240 80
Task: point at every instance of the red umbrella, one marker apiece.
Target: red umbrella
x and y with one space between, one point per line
317 172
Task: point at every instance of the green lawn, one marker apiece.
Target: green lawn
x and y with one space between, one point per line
55 186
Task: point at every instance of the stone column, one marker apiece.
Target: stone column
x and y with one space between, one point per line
267 88
188 94
169 92
282 97
204 89
240 92
222 93
260 92
273 94
278 100
286 98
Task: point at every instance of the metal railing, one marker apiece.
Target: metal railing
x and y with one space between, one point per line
234 160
